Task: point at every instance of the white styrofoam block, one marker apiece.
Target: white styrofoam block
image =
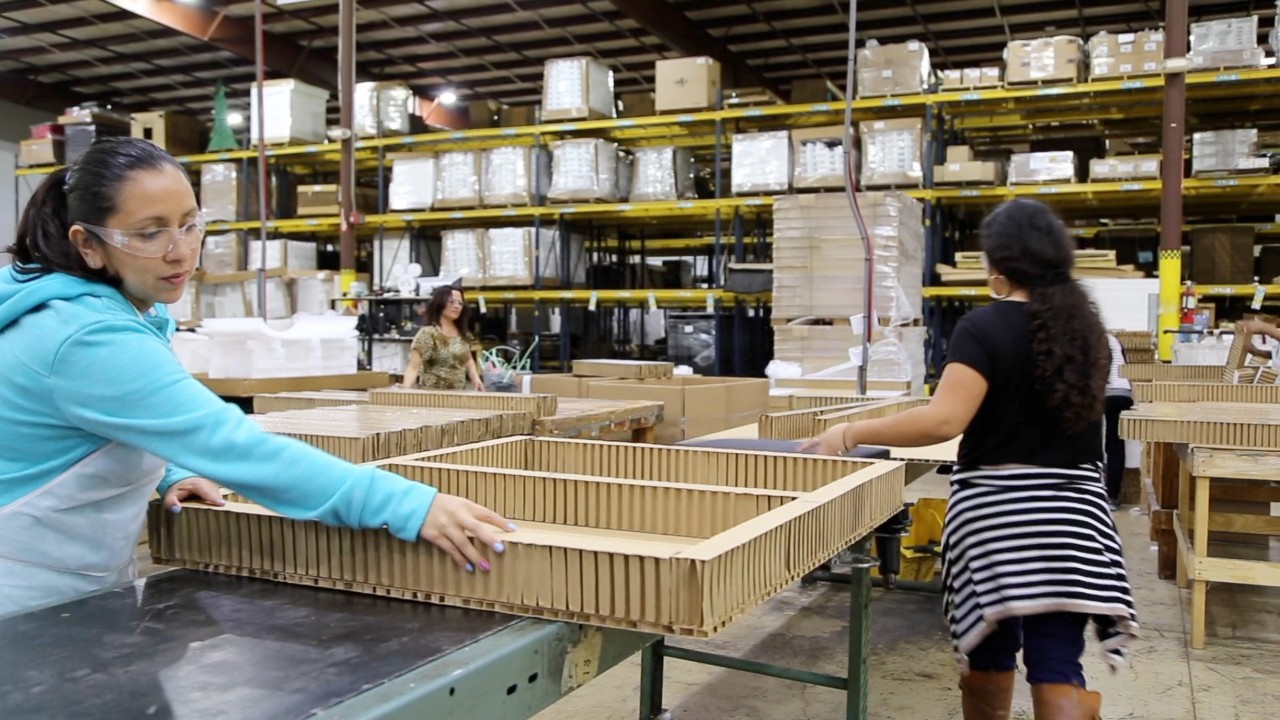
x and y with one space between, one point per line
294 111
1122 302
413 183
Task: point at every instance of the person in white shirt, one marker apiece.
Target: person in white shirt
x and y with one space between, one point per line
1119 399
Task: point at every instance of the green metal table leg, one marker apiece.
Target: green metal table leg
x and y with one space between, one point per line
859 631
652 664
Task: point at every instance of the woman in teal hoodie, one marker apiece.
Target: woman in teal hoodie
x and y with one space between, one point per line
98 413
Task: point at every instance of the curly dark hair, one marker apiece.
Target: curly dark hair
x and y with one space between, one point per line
1027 243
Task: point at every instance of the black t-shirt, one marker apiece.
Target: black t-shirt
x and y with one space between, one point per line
1014 425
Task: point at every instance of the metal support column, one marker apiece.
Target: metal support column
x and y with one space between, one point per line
1173 137
859 631
346 121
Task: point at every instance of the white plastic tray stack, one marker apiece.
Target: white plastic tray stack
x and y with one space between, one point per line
462 255
761 163
413 181
662 173
515 176
249 348
584 170
458 184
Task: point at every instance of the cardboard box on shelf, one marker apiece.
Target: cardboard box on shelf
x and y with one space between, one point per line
177 133
976 172
971 77
626 369
819 157
413 181
1048 59
228 195
482 114
761 163
282 254
320 200
458 174
41 151
663 172
585 170
891 153
951 78
690 83
1226 151
519 116
1222 255
515 175
637 104
894 69
295 112
577 88
694 406
1042 167
1224 43
1128 167
222 254
79 136
813 90
1125 54
384 109
959 153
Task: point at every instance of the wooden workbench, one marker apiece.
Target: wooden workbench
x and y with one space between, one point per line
584 418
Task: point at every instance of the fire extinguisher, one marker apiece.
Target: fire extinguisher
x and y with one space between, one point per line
1189 303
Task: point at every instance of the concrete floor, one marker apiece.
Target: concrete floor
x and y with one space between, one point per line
1236 677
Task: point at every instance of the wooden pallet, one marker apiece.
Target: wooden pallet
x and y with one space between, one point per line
1055 82
1222 174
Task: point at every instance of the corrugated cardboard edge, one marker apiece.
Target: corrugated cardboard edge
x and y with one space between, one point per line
539 406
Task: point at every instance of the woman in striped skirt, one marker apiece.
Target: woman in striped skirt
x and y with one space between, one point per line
1031 553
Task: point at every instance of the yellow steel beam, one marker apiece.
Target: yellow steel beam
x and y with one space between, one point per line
1203 291
682 298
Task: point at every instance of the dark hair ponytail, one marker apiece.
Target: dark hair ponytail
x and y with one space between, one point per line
83 192
1026 243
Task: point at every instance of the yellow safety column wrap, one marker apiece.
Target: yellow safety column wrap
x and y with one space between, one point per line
1170 270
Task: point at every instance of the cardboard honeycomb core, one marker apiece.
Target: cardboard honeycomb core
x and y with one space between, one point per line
804 424
691 540
1172 392
307 400
539 406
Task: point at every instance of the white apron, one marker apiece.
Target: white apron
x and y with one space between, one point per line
78 533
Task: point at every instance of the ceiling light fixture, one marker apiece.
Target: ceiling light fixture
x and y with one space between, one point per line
448 97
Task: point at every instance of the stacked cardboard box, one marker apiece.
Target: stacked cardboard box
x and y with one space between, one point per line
386 108
819 157
46 146
1048 59
295 112
684 84
323 200
819 260
577 88
1222 255
222 254
693 406
897 69
565 385
283 255
971 77
1057 166
1227 151
1127 167
892 153
663 173
1230 42
1124 54
761 163
178 134
961 168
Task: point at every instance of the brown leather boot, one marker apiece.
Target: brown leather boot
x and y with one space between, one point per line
1059 701
986 695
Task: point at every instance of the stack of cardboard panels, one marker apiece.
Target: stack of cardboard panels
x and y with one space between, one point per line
819 258
677 541
963 168
685 84
308 400
1057 59
1227 152
1124 167
897 354
694 406
539 406
972 77
625 369
896 69
365 433
1229 42
892 153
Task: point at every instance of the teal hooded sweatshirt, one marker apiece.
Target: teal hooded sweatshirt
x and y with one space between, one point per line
80 367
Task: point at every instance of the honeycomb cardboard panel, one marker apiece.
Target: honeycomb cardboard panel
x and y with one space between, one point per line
1169 392
275 402
539 406
626 369
1164 372
583 418
804 424
1246 425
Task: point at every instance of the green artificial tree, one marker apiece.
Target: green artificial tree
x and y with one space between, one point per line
222 138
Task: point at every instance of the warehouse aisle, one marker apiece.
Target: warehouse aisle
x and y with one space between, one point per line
913 677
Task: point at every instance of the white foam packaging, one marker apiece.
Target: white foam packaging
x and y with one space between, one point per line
305 346
413 181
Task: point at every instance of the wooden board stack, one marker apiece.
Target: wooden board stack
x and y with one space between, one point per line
583 418
539 406
365 433
1089 264
654 549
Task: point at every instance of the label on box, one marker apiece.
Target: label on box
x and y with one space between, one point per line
1151 66
1126 49
1126 37
886 73
1126 67
1150 47
913 45
953 167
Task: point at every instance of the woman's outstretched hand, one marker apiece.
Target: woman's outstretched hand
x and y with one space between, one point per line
197 488
454 521
831 442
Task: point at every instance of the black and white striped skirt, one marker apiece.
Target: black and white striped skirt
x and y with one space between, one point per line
1025 541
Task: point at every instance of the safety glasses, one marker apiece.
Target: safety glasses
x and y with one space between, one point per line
153 243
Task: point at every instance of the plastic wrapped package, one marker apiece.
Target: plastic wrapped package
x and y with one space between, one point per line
279 299
1220 151
515 176
584 170
458 179
662 173
819 157
897 353
509 258
1229 42
1042 167
895 69
284 254
1047 59
294 112
761 163
577 88
222 254
224 300
413 181
891 153
818 256
384 109
187 307
220 191
312 294
462 255
1124 54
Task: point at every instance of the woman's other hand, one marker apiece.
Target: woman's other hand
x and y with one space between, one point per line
197 488
831 442
477 385
453 521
